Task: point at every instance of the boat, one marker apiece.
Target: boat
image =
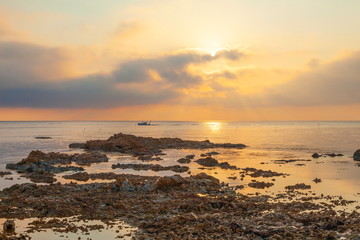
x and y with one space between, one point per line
144 123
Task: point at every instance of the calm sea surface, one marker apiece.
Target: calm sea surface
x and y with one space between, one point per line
267 141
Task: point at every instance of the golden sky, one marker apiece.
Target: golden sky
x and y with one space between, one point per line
231 60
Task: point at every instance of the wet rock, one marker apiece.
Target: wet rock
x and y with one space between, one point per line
356 155
9 226
184 160
78 176
253 172
2 173
298 186
208 162
77 145
190 156
40 167
153 167
316 155
226 165
209 154
260 185
284 161
89 158
40 177
317 180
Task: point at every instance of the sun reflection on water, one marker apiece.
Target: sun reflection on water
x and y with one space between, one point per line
214 126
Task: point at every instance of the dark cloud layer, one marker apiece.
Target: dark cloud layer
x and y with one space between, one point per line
24 69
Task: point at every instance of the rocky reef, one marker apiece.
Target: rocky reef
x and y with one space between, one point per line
138 146
196 207
40 167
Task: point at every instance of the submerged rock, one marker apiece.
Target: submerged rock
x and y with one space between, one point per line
356 155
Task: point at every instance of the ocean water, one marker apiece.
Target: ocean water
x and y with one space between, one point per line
266 141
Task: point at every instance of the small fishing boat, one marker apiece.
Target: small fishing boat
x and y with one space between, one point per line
144 123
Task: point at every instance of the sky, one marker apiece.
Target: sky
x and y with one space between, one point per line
230 60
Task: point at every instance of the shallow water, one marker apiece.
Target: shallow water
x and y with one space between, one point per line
267 141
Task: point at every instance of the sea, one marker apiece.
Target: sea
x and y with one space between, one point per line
268 142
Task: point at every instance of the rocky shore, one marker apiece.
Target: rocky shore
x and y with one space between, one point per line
196 207
170 207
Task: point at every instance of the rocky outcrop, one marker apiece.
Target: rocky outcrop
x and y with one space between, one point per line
38 159
137 146
298 186
356 155
153 167
186 159
260 185
212 162
208 162
198 183
253 172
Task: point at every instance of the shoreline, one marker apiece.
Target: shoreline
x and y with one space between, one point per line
175 209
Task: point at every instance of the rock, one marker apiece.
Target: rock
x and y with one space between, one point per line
209 154
260 185
226 165
40 167
190 156
203 176
357 155
184 160
208 162
9 226
89 158
253 172
138 146
77 145
316 155
2 173
153 167
167 183
43 137
40 177
317 180
78 176
298 186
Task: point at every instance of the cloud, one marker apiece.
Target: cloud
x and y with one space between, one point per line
22 64
335 83
25 70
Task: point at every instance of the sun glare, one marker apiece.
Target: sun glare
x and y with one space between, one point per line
214 126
